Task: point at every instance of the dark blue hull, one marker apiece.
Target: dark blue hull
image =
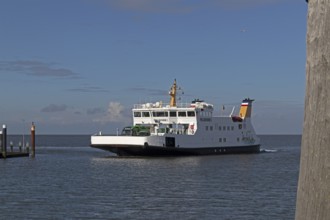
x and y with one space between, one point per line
153 151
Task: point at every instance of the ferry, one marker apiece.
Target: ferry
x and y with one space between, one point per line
178 129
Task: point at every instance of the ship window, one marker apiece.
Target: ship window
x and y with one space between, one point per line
238 139
228 128
211 128
240 126
224 128
160 114
182 114
232 128
145 114
207 128
224 139
220 139
172 114
219 128
137 114
191 114
206 114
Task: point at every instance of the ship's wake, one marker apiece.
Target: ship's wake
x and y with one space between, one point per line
268 151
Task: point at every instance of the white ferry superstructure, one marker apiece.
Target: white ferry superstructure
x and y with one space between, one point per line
182 129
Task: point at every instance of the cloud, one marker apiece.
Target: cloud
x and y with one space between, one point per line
288 116
167 6
238 4
153 92
116 112
87 88
37 68
184 6
54 108
282 104
95 111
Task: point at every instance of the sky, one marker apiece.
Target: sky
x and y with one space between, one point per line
79 66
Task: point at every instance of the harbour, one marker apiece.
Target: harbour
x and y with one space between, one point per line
109 146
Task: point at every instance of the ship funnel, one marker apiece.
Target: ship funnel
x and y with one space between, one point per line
246 108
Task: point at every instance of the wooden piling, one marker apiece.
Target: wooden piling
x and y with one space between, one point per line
313 195
4 154
4 141
33 143
11 146
1 142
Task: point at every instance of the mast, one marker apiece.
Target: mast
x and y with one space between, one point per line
173 94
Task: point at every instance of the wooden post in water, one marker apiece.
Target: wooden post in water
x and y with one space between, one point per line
1 142
11 146
33 142
4 141
313 195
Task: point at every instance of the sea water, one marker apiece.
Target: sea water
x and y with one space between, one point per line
70 180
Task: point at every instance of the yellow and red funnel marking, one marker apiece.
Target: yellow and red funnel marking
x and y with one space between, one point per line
246 108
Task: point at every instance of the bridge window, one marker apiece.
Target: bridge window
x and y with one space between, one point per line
137 114
172 114
160 114
191 114
145 114
182 114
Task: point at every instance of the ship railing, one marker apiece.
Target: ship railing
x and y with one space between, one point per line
161 105
162 131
